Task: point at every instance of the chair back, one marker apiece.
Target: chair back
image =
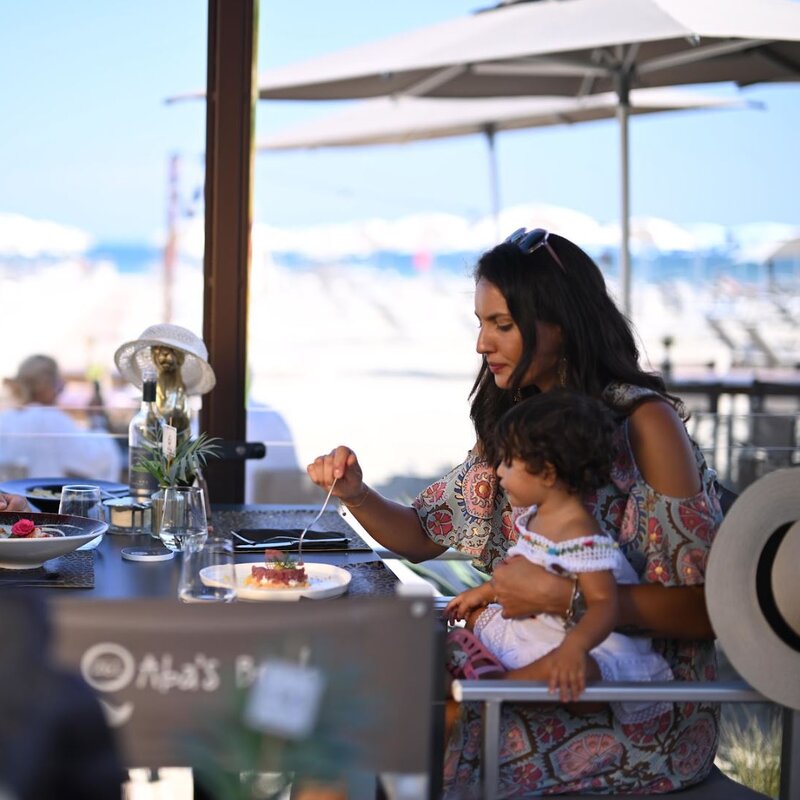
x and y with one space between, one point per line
174 676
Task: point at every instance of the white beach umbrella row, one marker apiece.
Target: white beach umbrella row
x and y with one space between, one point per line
32 238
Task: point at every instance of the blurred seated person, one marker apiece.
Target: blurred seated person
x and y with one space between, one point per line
55 741
47 440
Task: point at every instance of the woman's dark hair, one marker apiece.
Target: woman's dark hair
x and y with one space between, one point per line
598 343
567 429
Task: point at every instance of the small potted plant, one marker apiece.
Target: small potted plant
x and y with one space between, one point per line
181 470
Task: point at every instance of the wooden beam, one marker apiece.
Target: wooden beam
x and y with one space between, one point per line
230 115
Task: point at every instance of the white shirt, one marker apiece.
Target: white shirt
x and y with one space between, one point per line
50 444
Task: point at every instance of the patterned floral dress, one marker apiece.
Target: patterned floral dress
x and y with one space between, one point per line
544 748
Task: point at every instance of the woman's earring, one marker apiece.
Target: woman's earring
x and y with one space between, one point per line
562 372
517 396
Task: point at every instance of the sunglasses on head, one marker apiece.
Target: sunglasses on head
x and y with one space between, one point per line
530 241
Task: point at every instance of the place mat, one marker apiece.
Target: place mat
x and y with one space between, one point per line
371 579
71 571
288 519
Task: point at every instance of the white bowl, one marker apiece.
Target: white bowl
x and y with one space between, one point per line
26 553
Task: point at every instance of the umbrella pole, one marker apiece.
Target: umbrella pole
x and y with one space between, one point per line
623 113
494 179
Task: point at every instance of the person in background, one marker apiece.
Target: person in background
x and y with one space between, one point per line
546 321
47 440
555 449
55 741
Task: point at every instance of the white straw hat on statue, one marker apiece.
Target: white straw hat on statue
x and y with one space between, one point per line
132 358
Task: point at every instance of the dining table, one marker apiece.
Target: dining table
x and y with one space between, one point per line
104 574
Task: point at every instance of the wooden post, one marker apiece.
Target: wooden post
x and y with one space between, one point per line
231 97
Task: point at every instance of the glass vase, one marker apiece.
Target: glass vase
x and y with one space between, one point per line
183 516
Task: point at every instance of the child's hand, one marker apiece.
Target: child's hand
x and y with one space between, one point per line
568 671
460 606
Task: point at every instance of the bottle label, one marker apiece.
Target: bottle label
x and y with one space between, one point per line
141 484
169 440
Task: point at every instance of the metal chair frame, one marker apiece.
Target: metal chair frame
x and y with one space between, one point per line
493 693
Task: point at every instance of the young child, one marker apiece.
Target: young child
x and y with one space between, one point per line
555 449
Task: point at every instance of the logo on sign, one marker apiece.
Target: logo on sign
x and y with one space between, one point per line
109 667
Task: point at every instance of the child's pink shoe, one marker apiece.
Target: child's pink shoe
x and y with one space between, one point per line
468 658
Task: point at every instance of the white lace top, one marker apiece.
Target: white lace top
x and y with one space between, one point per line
583 554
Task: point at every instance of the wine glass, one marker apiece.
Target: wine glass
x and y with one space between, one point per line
79 500
183 516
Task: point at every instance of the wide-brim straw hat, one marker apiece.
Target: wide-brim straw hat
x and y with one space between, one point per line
133 358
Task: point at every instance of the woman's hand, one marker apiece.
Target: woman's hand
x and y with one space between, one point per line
13 502
525 589
341 463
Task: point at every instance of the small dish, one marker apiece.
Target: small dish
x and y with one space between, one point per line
27 553
127 515
325 580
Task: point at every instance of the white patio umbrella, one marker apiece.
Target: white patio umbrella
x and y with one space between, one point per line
396 120
565 47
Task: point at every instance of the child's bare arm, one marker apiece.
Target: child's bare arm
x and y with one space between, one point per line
568 662
460 606
599 589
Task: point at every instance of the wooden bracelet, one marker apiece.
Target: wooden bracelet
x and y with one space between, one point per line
361 501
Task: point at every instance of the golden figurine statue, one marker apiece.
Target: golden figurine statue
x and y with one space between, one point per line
180 360
172 401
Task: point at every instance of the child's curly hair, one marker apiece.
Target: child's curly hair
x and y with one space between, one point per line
569 430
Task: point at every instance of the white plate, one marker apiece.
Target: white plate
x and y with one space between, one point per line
26 553
326 581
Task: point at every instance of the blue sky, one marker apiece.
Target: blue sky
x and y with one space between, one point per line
86 135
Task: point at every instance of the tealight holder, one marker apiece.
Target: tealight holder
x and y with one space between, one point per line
126 515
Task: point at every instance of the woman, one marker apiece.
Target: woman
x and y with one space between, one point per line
44 437
546 321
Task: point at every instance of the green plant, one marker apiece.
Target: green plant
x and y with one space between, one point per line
750 751
181 469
